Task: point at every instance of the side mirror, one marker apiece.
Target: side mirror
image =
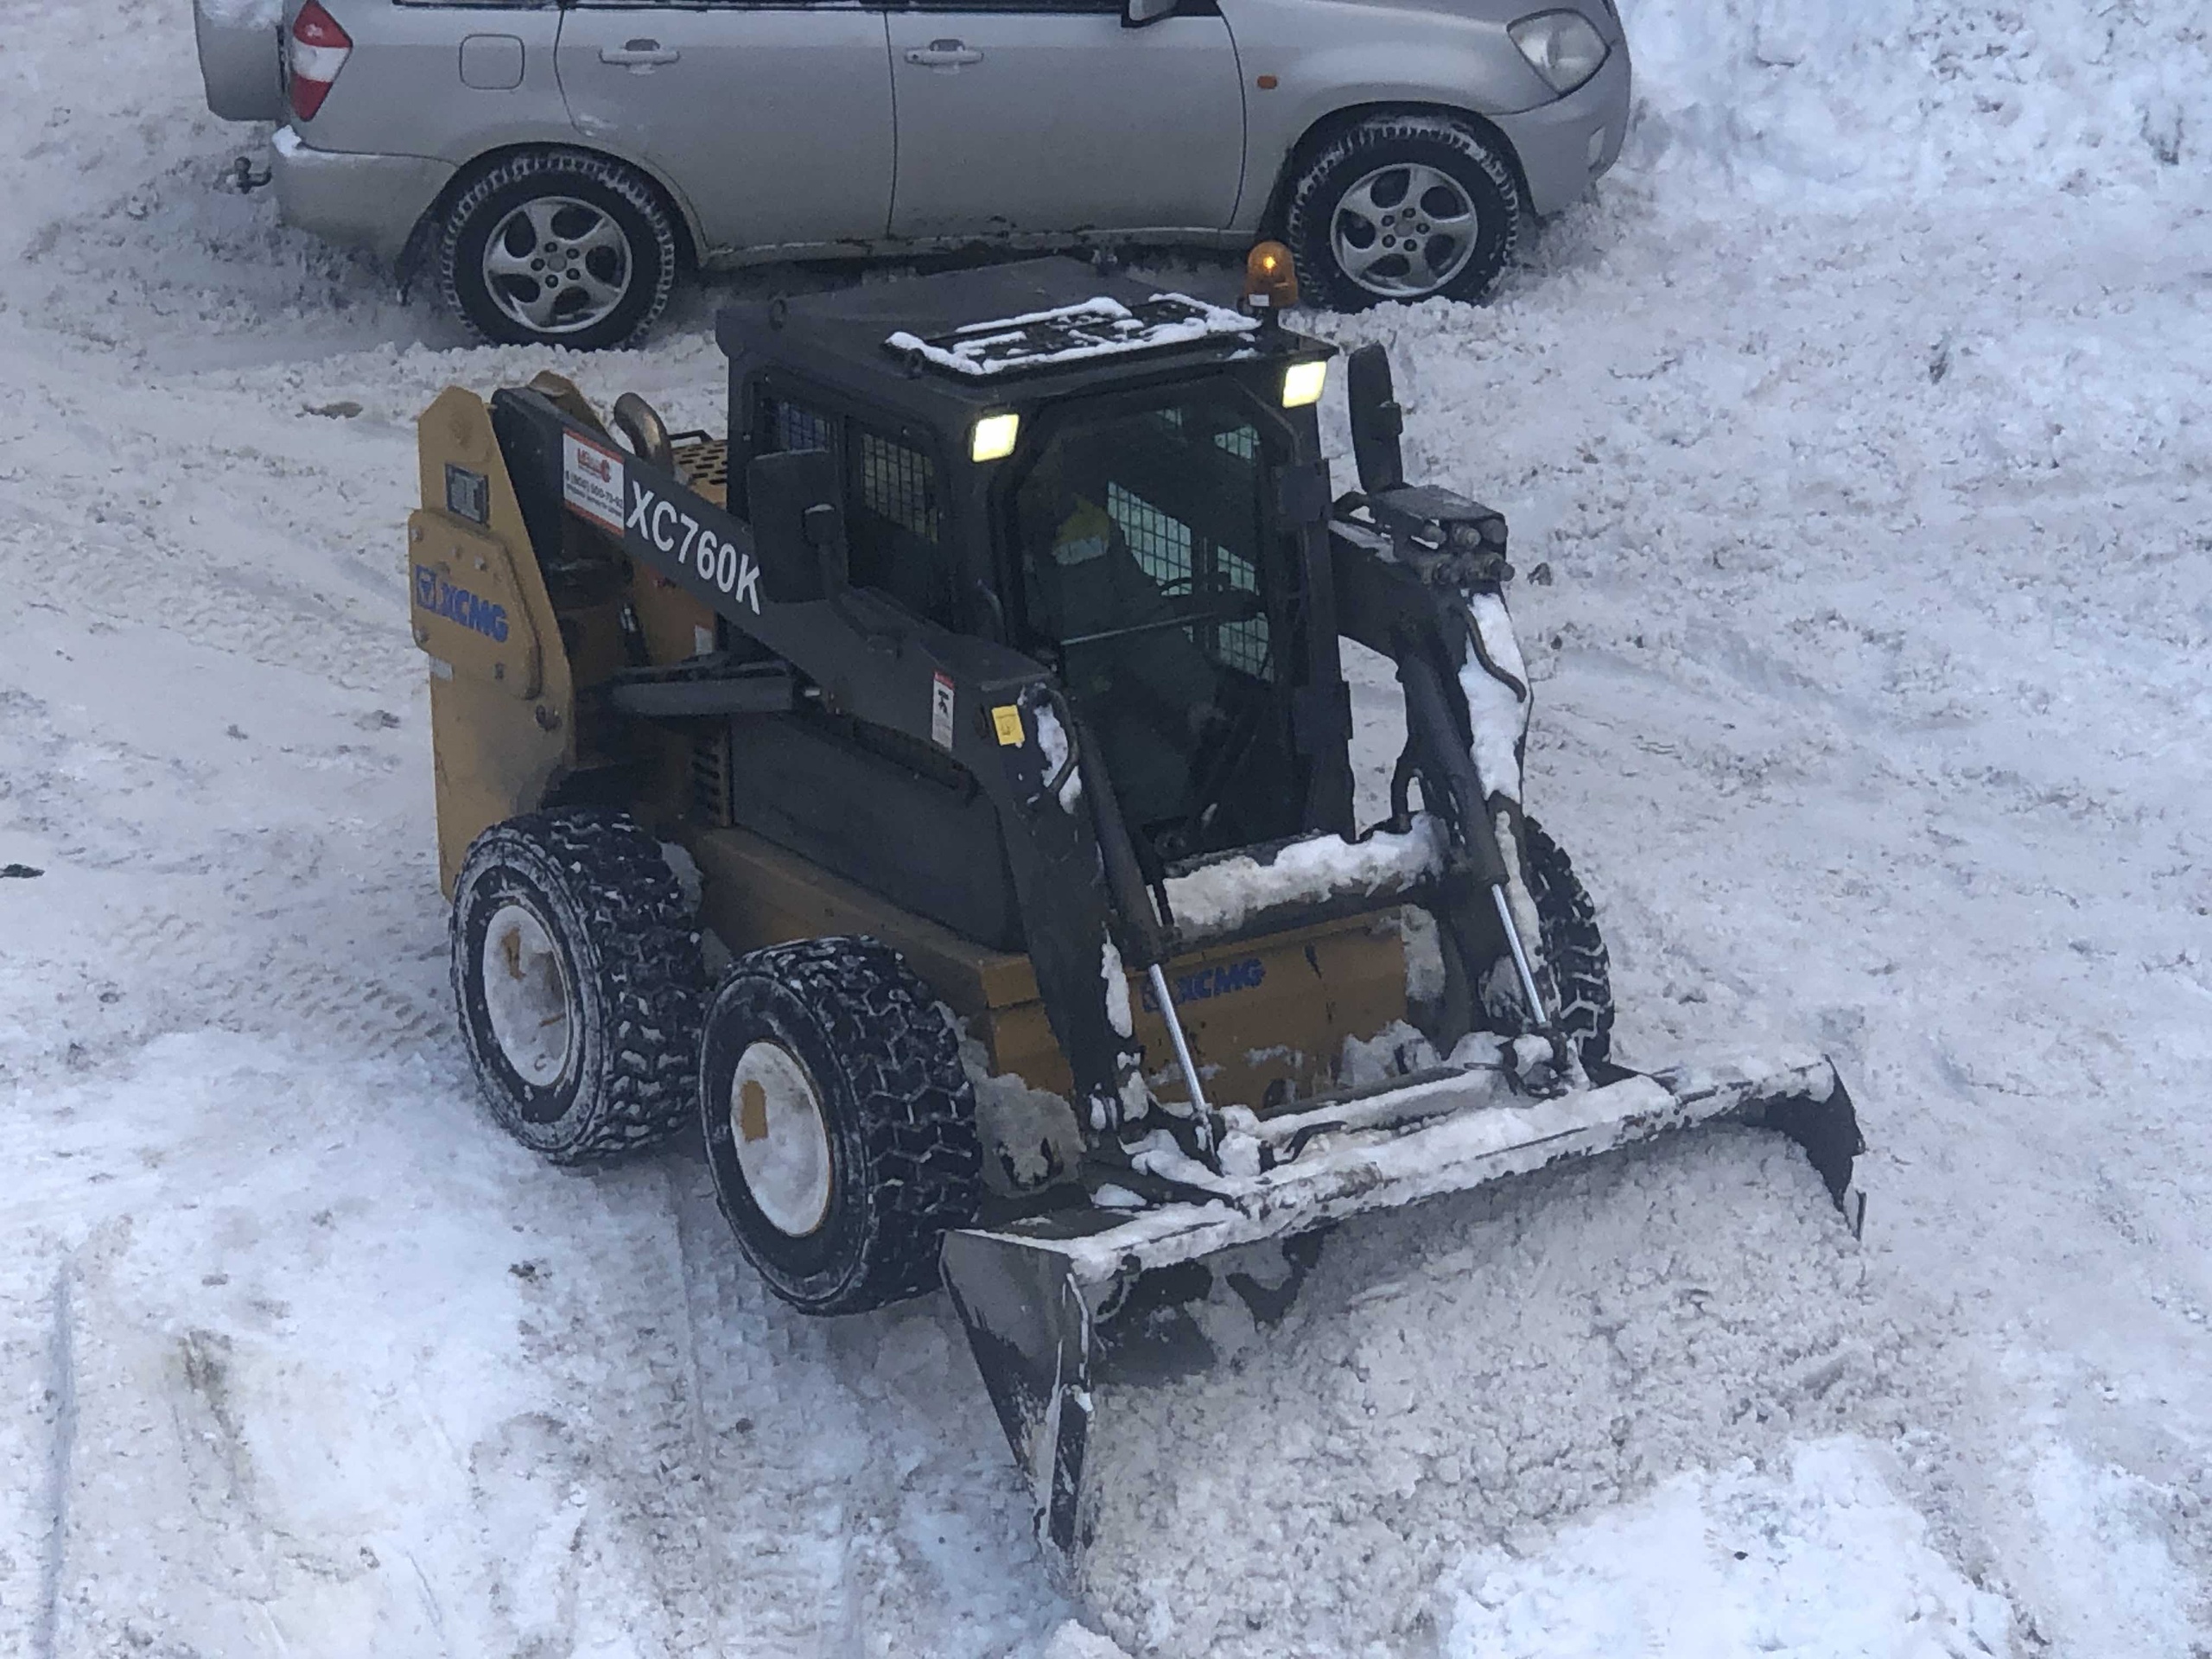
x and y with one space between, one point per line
798 529
1135 14
1377 420
824 527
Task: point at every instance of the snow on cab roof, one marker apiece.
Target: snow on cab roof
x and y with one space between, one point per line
1096 327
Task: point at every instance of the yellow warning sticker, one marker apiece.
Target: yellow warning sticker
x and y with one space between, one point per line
1006 719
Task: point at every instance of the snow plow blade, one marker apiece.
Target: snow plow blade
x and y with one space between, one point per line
1053 1301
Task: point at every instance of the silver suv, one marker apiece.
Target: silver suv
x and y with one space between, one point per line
554 164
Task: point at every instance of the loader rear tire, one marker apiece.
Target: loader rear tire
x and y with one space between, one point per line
576 970
839 1124
1577 977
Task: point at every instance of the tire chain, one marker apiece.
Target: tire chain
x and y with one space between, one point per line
917 1107
1575 962
641 928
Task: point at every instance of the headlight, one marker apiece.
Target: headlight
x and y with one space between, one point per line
1561 46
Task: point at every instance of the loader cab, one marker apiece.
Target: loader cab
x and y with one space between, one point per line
1093 473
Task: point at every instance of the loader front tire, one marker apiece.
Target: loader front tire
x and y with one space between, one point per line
577 972
840 1127
1577 977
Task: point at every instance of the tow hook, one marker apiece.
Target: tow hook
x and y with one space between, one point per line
244 178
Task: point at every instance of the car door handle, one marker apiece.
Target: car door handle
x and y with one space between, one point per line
944 55
638 54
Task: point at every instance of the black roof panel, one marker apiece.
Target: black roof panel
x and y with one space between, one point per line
840 336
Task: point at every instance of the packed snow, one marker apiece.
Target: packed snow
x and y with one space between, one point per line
1233 890
1859 425
1497 704
1816 1557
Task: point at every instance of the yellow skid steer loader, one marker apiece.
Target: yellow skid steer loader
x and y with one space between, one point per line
979 695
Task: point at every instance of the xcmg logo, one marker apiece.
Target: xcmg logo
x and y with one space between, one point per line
434 594
1225 980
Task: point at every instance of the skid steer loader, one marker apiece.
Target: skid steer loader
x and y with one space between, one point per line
980 695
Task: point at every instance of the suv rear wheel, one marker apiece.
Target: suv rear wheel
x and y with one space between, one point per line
557 247
1402 208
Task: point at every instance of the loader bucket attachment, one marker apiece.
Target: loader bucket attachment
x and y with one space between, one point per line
1053 1302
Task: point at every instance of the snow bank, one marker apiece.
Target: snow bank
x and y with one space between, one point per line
2112 1586
1071 1641
1819 1562
1861 102
240 13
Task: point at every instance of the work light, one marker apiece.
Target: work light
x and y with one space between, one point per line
1302 382
994 437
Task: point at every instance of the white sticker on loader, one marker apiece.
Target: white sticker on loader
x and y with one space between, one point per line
591 481
941 710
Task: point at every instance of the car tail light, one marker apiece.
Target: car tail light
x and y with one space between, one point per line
319 49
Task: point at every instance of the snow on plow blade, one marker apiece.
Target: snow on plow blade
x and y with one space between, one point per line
1051 1301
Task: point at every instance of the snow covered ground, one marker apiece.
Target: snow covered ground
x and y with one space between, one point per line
1862 423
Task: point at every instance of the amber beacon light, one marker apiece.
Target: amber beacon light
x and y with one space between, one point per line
1270 285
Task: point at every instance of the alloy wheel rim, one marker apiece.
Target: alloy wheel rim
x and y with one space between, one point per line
1405 230
557 266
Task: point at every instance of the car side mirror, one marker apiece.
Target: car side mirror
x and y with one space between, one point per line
798 529
1135 14
1377 420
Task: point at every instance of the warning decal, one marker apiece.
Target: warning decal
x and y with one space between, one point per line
591 481
941 710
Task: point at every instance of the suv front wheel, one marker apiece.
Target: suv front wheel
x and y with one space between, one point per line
557 247
1402 208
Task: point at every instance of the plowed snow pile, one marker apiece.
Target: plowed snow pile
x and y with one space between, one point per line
1459 1376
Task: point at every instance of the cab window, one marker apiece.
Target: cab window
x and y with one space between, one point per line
893 515
1142 540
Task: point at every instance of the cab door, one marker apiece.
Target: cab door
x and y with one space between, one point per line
774 120
1048 117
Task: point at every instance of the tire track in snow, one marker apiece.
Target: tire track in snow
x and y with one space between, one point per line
62 1384
742 1478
